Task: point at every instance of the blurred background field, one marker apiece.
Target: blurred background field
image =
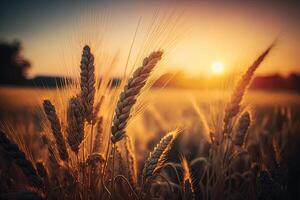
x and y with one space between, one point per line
164 110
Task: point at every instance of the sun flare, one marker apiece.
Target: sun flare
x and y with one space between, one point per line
217 67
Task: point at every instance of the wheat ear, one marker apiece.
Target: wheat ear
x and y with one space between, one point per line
131 91
242 128
98 141
14 153
157 156
189 192
97 108
56 129
75 128
233 107
87 82
131 162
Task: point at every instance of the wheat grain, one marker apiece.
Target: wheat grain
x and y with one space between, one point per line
128 97
75 128
87 82
56 129
14 153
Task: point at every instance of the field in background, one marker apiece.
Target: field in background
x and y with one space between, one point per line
166 109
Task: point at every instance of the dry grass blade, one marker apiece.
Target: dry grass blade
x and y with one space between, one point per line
87 82
128 97
242 128
233 107
75 127
56 129
157 156
15 154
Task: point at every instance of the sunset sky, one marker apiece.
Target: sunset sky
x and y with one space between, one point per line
208 35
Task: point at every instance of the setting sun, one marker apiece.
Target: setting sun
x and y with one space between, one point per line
217 67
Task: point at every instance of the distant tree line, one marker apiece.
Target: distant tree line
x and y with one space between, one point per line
13 66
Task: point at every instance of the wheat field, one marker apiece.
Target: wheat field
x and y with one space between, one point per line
90 140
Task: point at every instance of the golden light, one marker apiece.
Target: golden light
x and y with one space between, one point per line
217 67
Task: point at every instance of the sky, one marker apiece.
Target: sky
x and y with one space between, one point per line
194 34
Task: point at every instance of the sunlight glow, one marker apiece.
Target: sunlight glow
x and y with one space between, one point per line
217 67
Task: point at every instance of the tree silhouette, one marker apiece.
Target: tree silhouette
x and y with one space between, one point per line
13 66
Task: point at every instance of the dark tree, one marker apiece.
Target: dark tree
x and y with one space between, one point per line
13 66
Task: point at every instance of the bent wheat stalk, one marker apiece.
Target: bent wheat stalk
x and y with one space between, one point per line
131 91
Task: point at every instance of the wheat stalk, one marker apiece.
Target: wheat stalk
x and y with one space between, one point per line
131 162
242 128
75 128
158 155
56 129
87 82
233 107
14 153
131 91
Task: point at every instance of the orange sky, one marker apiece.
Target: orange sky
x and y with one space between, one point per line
232 34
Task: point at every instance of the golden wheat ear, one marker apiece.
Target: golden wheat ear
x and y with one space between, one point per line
131 91
56 129
158 155
233 107
87 82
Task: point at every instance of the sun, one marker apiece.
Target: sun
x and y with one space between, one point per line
217 67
